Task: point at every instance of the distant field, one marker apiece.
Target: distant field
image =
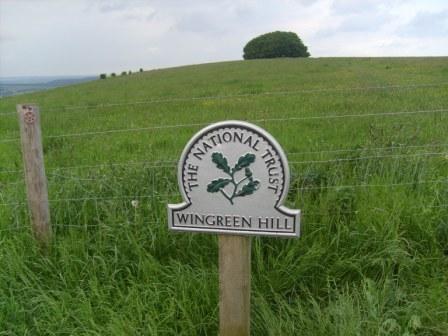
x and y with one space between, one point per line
11 86
367 141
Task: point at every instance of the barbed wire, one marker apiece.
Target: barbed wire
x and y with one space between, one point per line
263 120
160 100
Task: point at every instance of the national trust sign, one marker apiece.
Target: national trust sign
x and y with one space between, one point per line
234 178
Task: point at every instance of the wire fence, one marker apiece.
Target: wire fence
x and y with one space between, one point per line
160 222
262 120
158 164
173 163
338 186
162 100
7 113
81 226
55 171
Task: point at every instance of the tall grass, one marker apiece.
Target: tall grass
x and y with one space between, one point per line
372 256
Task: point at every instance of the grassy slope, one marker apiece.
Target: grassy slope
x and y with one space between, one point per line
371 259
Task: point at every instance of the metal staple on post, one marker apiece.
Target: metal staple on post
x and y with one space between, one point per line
34 169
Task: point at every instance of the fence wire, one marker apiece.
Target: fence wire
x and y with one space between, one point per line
305 213
352 186
367 149
162 100
170 163
173 163
263 120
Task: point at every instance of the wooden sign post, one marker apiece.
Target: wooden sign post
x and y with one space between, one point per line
234 177
234 285
35 179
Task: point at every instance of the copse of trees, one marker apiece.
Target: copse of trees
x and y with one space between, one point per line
275 44
123 73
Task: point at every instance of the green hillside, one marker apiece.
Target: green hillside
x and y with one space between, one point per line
367 141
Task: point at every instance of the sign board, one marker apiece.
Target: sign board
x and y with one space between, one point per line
234 178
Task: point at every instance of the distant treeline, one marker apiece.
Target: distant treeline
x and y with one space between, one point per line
123 73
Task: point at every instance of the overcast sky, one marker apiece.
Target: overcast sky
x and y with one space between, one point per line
78 37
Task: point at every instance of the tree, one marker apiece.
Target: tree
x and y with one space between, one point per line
103 76
275 44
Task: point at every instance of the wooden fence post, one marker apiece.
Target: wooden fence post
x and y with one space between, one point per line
35 179
234 285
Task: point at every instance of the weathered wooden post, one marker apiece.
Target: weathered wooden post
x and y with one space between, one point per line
35 179
234 177
234 285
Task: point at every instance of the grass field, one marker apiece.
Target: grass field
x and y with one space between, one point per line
367 141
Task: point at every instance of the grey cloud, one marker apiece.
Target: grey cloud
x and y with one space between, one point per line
306 3
107 6
360 24
132 10
221 18
5 37
354 6
354 16
198 22
147 15
427 24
